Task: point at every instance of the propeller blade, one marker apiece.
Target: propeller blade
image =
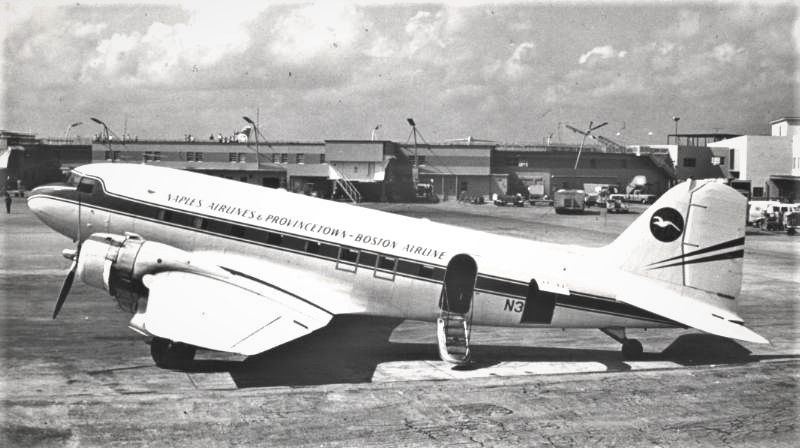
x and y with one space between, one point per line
62 296
597 127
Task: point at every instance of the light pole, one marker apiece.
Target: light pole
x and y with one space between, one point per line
105 127
257 131
415 168
374 130
66 133
676 119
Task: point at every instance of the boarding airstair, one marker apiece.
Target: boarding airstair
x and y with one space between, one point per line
453 327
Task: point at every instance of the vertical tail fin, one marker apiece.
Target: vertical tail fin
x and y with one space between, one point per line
692 236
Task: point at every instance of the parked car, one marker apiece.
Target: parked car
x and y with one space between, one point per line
616 206
508 199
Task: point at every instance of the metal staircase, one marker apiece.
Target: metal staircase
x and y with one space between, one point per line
350 190
453 331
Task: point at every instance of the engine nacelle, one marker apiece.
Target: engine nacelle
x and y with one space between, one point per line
117 264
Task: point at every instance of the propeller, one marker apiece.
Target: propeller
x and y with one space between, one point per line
67 285
70 254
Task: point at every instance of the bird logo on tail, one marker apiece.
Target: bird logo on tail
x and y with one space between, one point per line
666 224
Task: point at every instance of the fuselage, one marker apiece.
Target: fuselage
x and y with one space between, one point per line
352 259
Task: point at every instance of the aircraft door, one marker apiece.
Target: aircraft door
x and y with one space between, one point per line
539 305
459 285
455 309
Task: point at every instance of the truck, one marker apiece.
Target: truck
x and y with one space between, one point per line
635 196
569 201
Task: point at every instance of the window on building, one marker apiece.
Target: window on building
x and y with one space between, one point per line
732 167
758 192
274 157
421 160
108 155
233 157
717 160
284 158
512 161
355 168
116 155
689 162
194 156
243 179
299 158
322 158
151 156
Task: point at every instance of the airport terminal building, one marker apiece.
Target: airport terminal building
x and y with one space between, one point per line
382 170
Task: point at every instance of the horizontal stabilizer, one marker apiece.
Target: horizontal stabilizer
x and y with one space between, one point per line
678 304
215 314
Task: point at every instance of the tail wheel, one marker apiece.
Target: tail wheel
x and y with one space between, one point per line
172 355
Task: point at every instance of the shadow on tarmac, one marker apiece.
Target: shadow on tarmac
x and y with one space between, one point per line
350 348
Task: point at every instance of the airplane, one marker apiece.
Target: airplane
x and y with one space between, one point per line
204 262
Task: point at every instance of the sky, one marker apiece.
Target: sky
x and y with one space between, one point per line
504 71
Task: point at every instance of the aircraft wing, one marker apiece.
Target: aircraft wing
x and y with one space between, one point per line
236 314
678 304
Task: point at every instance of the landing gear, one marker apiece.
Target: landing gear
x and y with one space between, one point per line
171 355
631 348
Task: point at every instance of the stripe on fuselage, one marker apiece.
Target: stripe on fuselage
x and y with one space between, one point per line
331 251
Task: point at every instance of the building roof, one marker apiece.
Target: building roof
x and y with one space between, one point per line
790 120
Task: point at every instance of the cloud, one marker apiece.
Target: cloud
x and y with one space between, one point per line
212 32
726 53
311 31
597 54
688 23
516 65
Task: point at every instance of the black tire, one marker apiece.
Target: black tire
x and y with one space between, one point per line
172 355
632 349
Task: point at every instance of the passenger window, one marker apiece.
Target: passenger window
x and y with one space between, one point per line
367 259
292 242
237 231
348 255
274 238
425 271
387 263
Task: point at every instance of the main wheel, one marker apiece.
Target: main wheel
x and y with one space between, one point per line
632 349
171 355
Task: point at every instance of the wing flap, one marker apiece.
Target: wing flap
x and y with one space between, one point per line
220 315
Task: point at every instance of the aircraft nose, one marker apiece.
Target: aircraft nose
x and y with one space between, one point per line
45 202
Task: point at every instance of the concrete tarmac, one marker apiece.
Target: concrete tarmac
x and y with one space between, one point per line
87 380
